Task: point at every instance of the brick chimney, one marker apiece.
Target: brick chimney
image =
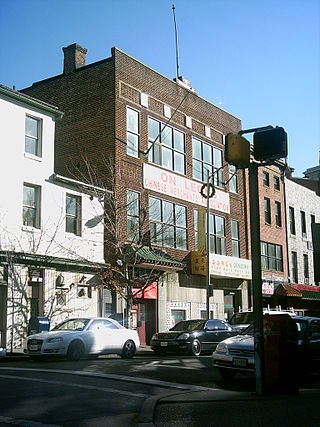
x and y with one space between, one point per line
74 57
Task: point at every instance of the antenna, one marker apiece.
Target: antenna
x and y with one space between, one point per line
176 34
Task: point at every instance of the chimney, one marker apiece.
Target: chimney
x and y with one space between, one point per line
74 57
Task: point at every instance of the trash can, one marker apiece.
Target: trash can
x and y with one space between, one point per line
38 324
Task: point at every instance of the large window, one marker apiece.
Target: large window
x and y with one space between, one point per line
133 132
303 224
235 238
206 158
168 224
294 267
271 257
167 146
133 215
31 205
292 223
267 211
277 211
233 179
73 214
33 136
217 233
306 268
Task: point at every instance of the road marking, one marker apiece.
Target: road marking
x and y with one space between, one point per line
138 380
89 387
25 423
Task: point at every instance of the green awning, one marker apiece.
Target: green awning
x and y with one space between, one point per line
311 296
158 258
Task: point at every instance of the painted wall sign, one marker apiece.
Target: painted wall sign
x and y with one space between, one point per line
171 184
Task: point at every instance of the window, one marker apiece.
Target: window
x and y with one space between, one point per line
31 205
206 158
33 136
168 224
294 267
271 257
265 178
133 136
217 233
203 314
292 224
235 238
167 146
267 211
133 215
233 179
73 214
276 182
303 224
177 316
277 210
306 268
312 219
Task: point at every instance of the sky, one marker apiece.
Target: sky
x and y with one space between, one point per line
256 59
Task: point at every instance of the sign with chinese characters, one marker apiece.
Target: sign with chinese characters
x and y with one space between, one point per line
180 187
267 288
198 264
221 265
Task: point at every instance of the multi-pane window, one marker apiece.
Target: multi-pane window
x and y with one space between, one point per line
271 257
306 268
217 233
294 267
292 223
168 224
235 238
73 214
276 182
233 179
265 178
206 158
277 211
33 136
303 224
167 146
267 211
31 205
133 132
133 215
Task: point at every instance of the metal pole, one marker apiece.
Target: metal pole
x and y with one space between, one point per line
208 248
256 278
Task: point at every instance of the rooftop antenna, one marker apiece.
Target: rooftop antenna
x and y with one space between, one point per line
176 34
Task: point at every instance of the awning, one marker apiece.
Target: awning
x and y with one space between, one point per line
311 296
287 291
306 287
158 259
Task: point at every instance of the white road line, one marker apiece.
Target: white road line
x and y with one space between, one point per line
138 380
25 423
89 387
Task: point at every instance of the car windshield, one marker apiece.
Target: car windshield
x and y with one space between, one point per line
248 330
188 325
241 318
72 325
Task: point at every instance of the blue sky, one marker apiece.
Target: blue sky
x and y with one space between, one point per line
257 59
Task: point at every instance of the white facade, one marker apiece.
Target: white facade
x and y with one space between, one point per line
301 201
39 231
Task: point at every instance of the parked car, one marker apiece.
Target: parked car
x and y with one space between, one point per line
243 319
84 337
193 336
236 354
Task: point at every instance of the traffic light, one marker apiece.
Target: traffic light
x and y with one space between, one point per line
270 144
237 150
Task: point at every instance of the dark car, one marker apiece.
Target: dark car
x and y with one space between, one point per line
308 339
192 336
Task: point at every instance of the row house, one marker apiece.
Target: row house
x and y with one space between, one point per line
51 233
161 140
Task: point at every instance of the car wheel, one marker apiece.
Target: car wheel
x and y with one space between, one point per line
128 350
227 374
196 347
75 351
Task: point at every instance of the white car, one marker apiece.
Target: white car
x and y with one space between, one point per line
84 337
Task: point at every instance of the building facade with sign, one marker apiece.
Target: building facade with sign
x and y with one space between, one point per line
162 138
51 233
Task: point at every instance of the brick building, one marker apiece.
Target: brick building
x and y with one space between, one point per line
161 138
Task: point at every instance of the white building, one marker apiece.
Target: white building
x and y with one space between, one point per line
51 227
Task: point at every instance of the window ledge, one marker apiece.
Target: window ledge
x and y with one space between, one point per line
33 157
30 229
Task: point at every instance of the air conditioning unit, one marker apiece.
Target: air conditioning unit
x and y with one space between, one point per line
309 245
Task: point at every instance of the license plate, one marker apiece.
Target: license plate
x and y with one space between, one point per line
239 361
33 347
164 344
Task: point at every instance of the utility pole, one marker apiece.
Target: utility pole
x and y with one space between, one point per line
208 247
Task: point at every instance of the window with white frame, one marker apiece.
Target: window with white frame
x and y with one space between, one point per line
233 179
133 132
133 216
206 158
31 205
73 214
167 146
168 224
235 238
217 233
33 143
